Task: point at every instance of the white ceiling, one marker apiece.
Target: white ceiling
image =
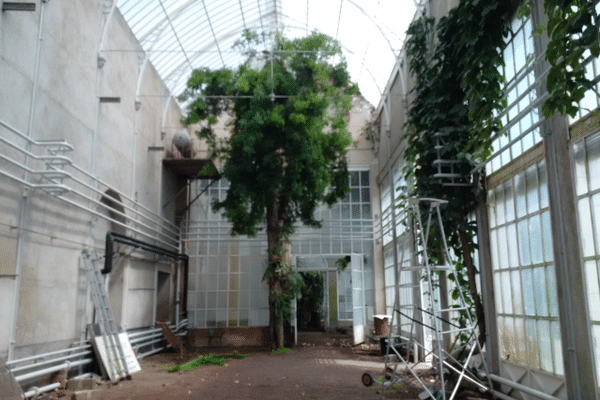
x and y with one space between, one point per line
180 35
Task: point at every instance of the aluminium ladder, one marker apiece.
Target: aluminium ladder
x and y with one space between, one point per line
116 363
439 328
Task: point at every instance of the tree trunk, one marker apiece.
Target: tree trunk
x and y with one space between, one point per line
479 312
275 248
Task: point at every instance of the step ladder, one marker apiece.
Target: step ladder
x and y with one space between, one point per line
426 355
116 362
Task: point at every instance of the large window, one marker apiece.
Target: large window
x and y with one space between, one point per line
521 118
524 277
586 155
225 277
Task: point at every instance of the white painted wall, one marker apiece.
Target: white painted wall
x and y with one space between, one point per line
115 136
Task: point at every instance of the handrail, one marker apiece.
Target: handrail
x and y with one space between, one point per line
41 143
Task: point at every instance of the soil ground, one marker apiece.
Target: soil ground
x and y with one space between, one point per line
321 366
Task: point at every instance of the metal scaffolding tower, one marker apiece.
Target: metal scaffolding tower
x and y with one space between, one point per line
447 354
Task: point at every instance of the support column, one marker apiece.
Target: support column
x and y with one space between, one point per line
575 329
486 273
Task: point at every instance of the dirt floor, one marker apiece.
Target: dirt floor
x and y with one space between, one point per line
322 366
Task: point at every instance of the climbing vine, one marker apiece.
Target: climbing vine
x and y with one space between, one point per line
456 66
573 32
458 91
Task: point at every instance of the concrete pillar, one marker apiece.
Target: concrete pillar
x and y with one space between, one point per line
574 317
575 329
486 274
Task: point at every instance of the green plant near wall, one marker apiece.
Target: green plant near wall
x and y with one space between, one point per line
456 65
458 91
573 36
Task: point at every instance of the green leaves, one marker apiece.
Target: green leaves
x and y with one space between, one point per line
572 29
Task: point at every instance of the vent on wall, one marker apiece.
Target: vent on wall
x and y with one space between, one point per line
10 6
110 99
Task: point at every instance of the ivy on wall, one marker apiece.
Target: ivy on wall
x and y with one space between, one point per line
573 35
458 92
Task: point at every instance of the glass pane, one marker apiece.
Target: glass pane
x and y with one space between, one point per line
585 224
592 147
502 248
547 236
500 215
492 208
524 243
521 196
517 301
547 363
596 341
511 236
506 292
520 345
503 338
543 184
541 296
494 248
535 237
593 291
533 203
354 178
509 199
528 298
498 291
366 195
552 291
364 178
557 347
533 355
596 219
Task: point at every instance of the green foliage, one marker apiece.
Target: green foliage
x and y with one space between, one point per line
203 360
287 151
458 91
290 285
291 146
573 32
342 264
283 350
311 294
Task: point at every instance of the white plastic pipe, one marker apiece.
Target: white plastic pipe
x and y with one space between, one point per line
23 211
522 388
67 365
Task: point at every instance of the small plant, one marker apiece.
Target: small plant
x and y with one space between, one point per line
282 350
203 360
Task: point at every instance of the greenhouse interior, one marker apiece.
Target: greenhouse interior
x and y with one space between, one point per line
415 183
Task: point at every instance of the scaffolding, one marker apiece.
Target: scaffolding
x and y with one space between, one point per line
425 343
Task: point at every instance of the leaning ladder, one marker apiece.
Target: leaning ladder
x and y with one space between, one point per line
397 360
109 329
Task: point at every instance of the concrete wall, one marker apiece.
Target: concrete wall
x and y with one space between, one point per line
110 143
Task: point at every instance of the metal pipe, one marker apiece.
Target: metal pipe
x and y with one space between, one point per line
145 338
35 391
137 346
23 210
64 358
37 357
73 203
522 388
67 365
41 143
146 332
149 353
67 161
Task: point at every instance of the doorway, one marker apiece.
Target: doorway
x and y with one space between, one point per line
163 297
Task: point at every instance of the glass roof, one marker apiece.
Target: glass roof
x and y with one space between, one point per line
180 35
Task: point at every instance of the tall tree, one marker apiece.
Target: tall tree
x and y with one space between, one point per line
287 150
